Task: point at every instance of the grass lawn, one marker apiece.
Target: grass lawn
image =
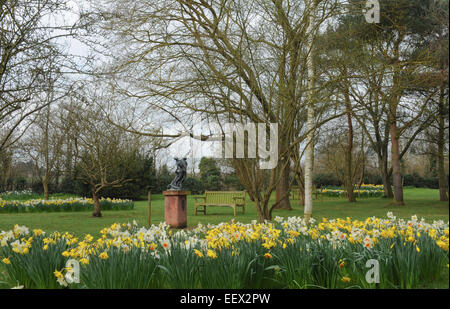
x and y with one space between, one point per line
421 202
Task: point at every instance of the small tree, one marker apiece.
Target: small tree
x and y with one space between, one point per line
104 154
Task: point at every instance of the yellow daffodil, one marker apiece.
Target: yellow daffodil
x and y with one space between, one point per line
6 261
211 253
103 255
198 253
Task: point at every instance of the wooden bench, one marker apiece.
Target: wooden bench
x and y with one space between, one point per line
231 199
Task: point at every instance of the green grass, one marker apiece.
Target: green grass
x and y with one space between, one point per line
421 202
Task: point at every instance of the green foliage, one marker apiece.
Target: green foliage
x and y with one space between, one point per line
210 174
409 16
194 185
323 180
162 180
180 267
232 182
135 270
34 270
415 180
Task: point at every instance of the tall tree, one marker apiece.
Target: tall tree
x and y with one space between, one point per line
44 140
310 65
234 61
439 43
396 43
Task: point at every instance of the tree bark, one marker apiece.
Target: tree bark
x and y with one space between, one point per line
348 161
97 211
282 192
264 213
301 188
443 185
385 177
45 186
393 129
396 168
348 179
309 152
363 163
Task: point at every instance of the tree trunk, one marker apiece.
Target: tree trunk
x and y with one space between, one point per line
396 168
282 192
443 186
97 211
301 188
45 185
263 211
393 130
385 177
348 161
309 152
363 163
349 180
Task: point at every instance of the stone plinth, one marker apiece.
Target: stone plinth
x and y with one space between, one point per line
175 208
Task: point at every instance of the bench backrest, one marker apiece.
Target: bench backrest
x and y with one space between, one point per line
223 197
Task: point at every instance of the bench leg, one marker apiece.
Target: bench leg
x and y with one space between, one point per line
234 210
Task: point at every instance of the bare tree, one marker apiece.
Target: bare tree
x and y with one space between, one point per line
103 155
43 144
28 53
232 61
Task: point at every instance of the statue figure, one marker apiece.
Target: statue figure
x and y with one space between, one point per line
180 172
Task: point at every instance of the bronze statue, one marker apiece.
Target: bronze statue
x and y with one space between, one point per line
180 172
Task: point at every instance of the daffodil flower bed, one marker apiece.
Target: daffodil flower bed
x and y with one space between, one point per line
366 190
285 253
71 204
19 195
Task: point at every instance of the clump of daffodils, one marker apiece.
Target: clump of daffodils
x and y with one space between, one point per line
209 241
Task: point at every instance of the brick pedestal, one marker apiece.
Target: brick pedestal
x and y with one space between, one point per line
175 208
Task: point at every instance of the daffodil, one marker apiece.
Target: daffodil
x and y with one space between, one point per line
211 253
6 261
198 253
84 261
